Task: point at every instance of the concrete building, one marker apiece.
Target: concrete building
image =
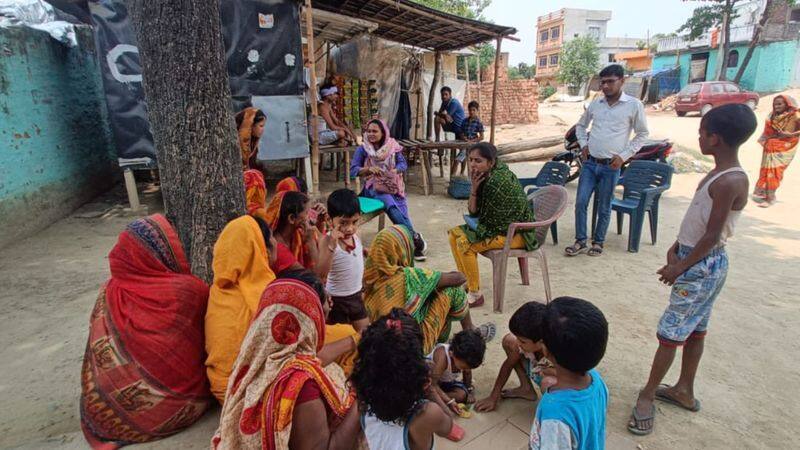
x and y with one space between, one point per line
635 61
558 27
774 66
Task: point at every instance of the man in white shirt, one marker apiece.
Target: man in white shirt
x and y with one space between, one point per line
613 117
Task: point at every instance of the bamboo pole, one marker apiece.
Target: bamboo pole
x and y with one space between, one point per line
312 98
494 87
466 67
478 67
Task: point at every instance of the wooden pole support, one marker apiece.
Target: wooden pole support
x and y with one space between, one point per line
312 97
494 87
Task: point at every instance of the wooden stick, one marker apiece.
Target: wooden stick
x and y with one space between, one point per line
494 88
437 70
478 66
313 99
529 144
539 154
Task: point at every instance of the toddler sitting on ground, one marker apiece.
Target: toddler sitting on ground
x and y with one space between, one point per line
448 362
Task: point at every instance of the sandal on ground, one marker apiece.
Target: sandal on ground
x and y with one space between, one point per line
576 249
596 250
477 303
642 425
758 198
662 395
765 203
487 330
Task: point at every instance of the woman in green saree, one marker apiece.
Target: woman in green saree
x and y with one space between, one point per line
498 200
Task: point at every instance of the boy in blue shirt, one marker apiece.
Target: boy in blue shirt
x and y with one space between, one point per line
471 131
572 413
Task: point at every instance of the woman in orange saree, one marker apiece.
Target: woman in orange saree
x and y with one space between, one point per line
250 125
143 376
780 138
280 396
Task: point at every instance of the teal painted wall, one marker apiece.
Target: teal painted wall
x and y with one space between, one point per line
770 69
55 141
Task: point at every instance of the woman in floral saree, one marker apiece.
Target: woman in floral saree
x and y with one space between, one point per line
780 138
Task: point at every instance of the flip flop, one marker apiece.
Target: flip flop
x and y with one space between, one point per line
637 419
487 330
477 303
661 395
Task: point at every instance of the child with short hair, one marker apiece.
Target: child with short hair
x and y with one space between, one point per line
449 362
342 260
524 355
391 380
572 413
697 263
472 131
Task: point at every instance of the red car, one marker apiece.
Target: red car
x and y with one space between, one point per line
701 97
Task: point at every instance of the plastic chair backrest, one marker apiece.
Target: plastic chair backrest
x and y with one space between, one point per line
547 203
641 175
553 172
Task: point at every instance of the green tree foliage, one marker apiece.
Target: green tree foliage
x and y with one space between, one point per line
471 9
521 71
485 55
706 17
579 61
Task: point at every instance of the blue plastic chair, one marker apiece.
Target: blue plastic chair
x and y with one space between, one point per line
644 183
552 173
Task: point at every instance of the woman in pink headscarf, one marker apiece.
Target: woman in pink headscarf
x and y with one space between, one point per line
380 161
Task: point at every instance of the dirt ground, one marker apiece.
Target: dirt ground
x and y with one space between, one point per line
747 381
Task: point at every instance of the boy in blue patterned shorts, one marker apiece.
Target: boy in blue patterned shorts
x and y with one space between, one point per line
697 263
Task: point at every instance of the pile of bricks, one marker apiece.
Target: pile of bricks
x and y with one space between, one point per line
517 101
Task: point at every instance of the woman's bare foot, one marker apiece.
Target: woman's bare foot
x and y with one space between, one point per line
523 392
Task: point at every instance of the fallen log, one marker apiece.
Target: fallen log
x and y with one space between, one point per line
529 144
539 154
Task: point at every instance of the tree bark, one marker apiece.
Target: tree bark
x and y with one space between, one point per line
437 74
530 144
188 101
539 154
754 41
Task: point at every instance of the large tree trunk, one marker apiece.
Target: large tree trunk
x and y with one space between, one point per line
188 101
754 41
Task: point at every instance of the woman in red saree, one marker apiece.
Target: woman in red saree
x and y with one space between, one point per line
780 138
143 376
278 385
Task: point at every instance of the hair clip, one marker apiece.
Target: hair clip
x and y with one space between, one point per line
394 323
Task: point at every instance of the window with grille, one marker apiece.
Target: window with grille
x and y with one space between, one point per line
543 61
733 58
555 33
553 60
544 36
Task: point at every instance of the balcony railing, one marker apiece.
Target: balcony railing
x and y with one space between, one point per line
548 45
552 16
738 34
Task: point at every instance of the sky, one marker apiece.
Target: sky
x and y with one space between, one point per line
629 18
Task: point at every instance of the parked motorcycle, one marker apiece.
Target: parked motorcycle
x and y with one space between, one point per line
652 150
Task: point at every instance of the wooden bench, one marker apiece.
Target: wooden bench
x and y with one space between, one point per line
426 149
340 154
370 209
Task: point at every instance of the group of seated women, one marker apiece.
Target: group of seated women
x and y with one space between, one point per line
162 344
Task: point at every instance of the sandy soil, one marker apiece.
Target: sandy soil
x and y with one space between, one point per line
747 380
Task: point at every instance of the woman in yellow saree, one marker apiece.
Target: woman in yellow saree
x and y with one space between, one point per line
433 299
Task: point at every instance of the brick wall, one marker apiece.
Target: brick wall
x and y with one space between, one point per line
517 101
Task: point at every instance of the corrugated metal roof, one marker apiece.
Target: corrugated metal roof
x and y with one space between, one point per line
413 24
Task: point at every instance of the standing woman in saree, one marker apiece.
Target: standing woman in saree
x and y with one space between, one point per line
780 138
143 377
497 199
280 396
433 299
380 160
250 125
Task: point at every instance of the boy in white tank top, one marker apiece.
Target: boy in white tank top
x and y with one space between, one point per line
341 261
697 263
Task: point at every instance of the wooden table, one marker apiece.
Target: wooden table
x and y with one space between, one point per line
426 148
